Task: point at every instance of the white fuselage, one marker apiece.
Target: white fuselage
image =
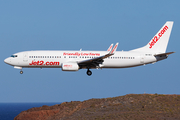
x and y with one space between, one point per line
54 59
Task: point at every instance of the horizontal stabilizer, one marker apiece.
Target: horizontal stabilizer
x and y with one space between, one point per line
162 54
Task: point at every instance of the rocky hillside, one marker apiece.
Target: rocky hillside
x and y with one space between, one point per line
132 106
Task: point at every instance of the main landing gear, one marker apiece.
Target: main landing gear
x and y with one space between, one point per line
89 73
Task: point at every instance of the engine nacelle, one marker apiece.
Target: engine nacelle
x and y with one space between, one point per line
70 67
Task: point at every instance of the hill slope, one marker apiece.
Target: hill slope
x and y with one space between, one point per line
132 106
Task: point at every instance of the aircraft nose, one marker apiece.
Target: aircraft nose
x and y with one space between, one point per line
7 60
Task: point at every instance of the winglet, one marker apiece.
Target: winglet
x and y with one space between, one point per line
114 49
110 48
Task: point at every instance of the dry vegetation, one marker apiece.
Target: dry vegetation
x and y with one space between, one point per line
132 106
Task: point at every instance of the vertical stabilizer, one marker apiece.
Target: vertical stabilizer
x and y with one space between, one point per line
159 42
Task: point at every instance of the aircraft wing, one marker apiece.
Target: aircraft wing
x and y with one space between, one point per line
94 62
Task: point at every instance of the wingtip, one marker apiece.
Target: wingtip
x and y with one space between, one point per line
110 47
114 49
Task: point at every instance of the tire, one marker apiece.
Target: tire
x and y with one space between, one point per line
89 73
21 72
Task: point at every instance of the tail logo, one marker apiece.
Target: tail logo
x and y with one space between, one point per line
156 38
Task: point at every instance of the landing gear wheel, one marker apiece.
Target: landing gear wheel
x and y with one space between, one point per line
89 73
21 72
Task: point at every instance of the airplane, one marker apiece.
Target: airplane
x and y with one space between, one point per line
154 51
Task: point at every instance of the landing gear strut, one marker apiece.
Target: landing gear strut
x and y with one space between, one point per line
89 73
21 72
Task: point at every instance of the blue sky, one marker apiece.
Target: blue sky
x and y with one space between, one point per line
90 25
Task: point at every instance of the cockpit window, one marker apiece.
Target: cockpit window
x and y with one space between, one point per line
13 56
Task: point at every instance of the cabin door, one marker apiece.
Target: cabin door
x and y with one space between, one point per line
142 59
25 57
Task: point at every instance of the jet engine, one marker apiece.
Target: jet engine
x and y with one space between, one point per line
70 67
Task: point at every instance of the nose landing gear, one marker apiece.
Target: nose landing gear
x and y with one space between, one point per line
21 72
89 73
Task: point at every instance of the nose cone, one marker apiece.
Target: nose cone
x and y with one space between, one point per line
7 60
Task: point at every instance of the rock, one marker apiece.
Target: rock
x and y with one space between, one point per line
132 106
